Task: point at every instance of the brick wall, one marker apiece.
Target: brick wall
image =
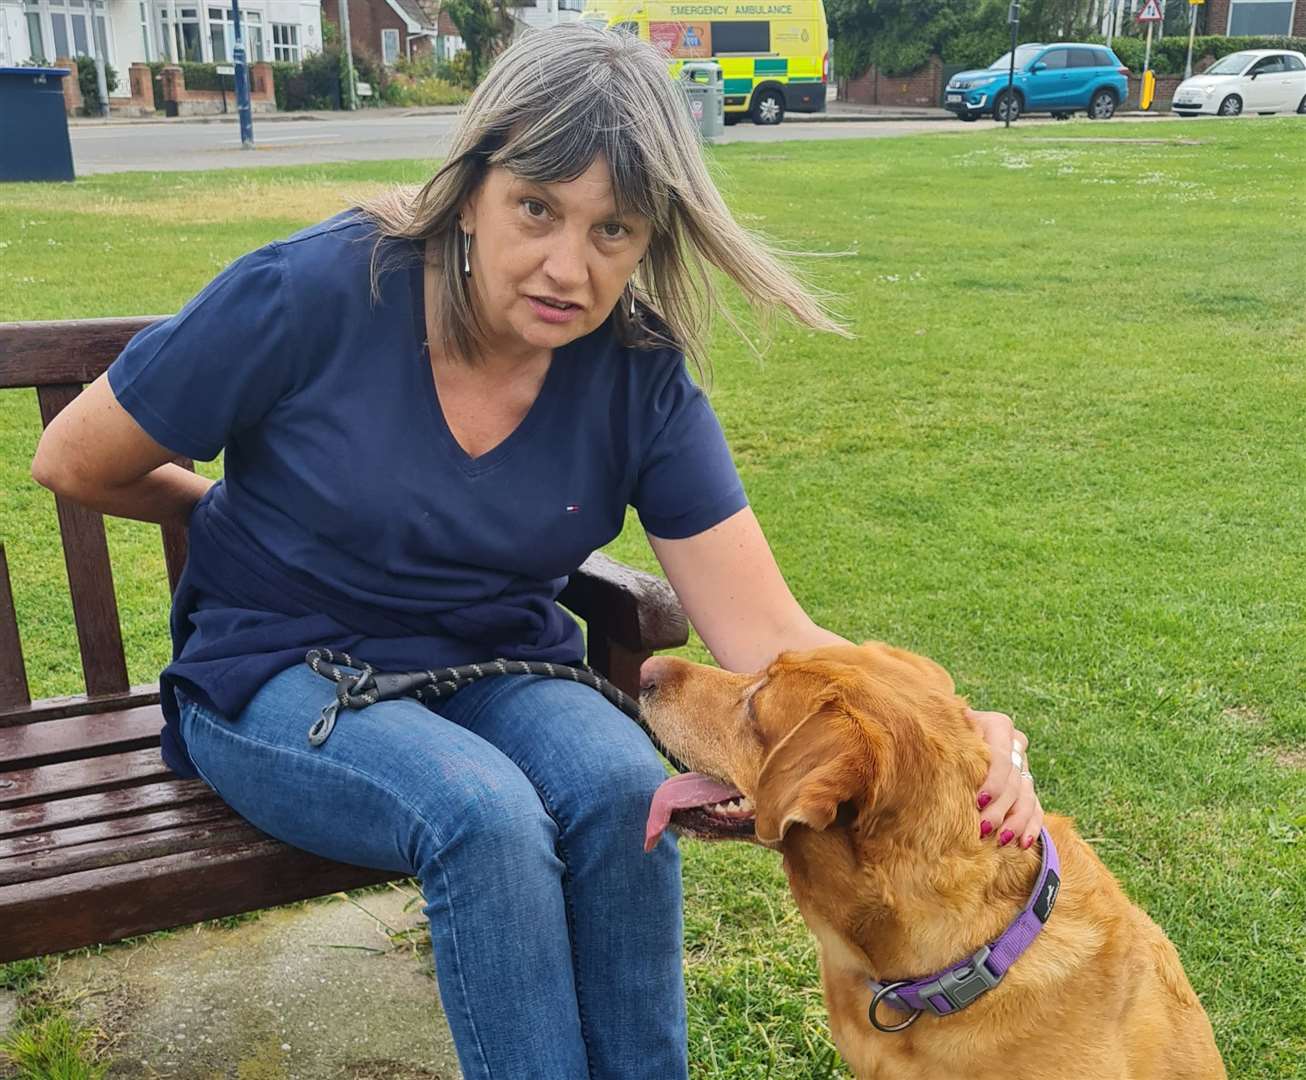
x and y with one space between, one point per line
72 89
1217 17
921 88
178 101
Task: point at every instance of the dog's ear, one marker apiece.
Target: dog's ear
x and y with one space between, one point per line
827 760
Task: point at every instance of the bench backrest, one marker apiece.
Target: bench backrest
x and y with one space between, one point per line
57 359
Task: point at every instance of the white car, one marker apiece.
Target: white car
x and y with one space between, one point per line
1254 81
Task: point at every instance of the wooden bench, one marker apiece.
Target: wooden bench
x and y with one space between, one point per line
98 839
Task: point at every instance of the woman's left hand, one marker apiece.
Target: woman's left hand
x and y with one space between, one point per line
1009 809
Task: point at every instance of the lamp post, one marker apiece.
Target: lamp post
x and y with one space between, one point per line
242 80
1013 19
351 101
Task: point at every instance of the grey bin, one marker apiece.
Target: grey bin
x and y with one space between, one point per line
33 125
706 89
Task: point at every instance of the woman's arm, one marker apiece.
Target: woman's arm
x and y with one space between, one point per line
94 453
734 594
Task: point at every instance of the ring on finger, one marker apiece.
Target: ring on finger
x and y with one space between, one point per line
1027 775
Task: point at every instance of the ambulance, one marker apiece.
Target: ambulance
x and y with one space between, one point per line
774 57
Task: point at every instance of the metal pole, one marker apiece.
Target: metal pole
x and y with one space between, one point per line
1013 17
97 54
351 101
1192 32
242 80
174 32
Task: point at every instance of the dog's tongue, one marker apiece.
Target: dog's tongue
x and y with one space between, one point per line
687 789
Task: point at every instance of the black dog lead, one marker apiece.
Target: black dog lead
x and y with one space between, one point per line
364 686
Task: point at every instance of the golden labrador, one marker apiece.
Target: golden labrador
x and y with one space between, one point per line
860 765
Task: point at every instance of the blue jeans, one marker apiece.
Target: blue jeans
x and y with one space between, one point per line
520 809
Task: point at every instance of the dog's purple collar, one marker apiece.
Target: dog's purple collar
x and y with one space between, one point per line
955 988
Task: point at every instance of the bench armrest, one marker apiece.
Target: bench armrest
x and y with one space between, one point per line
629 615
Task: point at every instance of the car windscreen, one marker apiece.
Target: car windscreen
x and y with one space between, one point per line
1024 54
1232 64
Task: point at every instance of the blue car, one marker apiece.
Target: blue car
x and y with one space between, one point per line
1060 79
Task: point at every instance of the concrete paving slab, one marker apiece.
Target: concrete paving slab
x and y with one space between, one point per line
8 1010
317 992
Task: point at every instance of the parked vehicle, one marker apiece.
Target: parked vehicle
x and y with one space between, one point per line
1061 79
775 58
1254 80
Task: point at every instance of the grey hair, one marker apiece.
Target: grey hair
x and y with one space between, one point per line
549 106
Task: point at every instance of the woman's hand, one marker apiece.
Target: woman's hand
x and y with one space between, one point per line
1009 808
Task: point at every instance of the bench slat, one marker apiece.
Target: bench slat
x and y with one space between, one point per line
126 849
90 577
174 817
102 806
69 351
13 675
78 705
94 906
86 777
25 746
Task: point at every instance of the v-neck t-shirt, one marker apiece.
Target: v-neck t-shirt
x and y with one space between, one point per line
349 516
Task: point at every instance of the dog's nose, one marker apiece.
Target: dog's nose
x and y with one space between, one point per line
651 672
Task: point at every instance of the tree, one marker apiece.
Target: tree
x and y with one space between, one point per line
485 27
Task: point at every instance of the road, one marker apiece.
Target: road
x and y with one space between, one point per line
123 147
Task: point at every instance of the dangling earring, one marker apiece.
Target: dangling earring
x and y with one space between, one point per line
632 300
467 253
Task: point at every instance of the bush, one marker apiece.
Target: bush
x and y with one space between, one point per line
427 90
368 67
314 84
201 76
90 86
457 71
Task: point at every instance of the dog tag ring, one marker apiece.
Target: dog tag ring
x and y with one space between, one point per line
880 995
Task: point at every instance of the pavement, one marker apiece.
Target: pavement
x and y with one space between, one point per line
308 992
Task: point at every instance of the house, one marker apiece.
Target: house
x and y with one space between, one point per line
142 31
1256 18
395 29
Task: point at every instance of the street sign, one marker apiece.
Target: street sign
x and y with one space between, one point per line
1151 12
1196 3
226 69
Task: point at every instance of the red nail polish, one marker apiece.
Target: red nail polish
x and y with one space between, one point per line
1027 841
984 799
986 827
1005 838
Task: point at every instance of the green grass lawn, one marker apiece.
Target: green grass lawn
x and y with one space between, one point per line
1064 457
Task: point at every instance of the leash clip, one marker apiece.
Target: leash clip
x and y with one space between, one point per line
319 732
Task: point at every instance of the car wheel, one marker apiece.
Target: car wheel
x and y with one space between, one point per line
1301 105
1231 106
1007 107
768 108
1103 105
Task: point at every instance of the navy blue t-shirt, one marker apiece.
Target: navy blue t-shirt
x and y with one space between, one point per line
349 517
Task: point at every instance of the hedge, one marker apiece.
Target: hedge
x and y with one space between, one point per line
1169 53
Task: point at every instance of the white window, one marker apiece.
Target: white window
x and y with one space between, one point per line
389 47
285 42
35 36
1260 18
222 35
70 27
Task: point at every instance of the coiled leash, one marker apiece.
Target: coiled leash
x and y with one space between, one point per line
364 686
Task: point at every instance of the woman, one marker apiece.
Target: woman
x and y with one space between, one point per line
433 409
